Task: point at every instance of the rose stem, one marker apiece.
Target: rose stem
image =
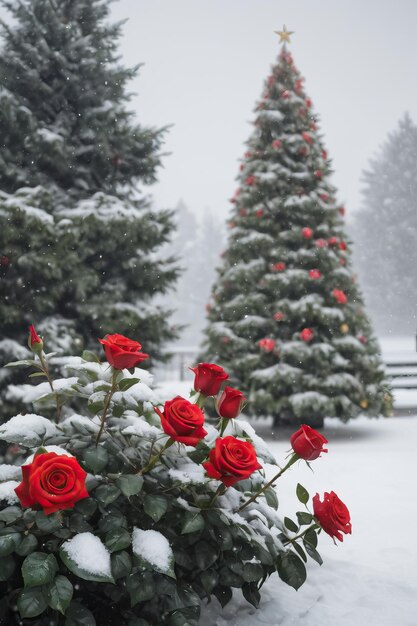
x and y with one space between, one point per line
219 491
107 404
292 460
45 369
155 458
294 539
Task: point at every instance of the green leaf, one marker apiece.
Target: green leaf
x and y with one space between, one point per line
89 356
10 514
118 540
121 564
223 594
130 484
140 587
78 615
22 362
291 570
107 494
96 458
80 572
252 572
9 543
126 383
86 507
36 374
209 579
31 602
39 569
311 538
192 523
302 494
48 523
251 594
96 407
299 551
7 567
60 594
292 526
205 554
155 506
27 545
313 553
304 518
271 497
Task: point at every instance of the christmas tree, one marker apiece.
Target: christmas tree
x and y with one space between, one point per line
286 316
384 232
79 240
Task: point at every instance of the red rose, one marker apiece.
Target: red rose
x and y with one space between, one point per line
208 378
307 232
278 267
307 334
314 274
231 460
182 421
52 482
308 443
332 515
121 352
267 345
339 296
230 403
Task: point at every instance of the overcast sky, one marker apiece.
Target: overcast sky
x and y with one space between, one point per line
205 62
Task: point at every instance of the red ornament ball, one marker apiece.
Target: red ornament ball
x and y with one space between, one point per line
276 144
314 274
308 102
248 154
318 174
324 154
307 137
342 210
306 334
279 316
259 212
324 197
307 232
320 243
267 344
339 296
285 94
250 181
333 241
362 339
342 246
278 267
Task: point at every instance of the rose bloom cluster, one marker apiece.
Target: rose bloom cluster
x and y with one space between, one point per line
56 482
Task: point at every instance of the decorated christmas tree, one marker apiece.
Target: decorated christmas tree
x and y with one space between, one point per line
76 230
286 316
386 247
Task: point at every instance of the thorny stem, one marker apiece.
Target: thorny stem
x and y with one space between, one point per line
45 369
293 459
157 456
107 404
219 492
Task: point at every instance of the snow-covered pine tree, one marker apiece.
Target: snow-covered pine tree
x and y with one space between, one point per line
286 317
384 232
80 242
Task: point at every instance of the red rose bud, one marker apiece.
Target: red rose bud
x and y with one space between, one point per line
52 482
35 343
208 378
182 421
307 334
121 352
231 460
314 274
332 515
307 232
339 296
308 443
230 402
278 267
267 345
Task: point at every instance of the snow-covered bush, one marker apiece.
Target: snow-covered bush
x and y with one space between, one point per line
133 513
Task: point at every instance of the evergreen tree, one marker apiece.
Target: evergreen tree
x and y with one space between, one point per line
286 316
82 241
385 232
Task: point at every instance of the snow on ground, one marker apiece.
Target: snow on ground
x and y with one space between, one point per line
370 579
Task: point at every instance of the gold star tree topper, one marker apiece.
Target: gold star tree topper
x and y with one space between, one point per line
284 35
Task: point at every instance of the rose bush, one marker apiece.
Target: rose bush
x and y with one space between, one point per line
131 512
